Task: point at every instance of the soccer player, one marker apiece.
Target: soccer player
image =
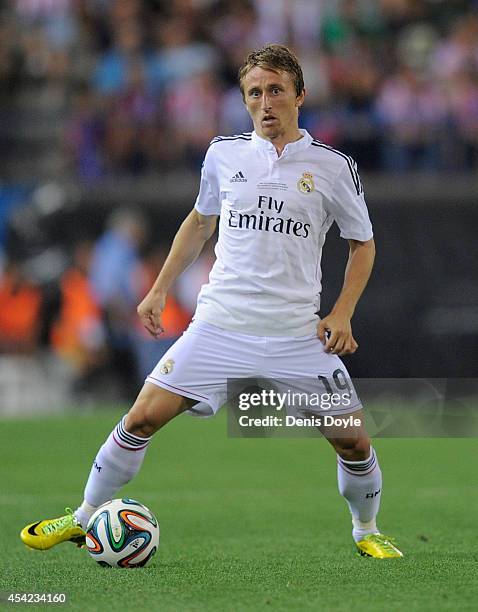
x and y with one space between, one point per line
276 192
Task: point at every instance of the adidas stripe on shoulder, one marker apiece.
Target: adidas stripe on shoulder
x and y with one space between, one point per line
351 163
243 136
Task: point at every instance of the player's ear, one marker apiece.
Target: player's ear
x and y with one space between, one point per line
300 99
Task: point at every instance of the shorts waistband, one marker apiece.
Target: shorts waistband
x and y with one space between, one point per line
199 324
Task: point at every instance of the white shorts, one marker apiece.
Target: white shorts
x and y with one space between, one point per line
201 361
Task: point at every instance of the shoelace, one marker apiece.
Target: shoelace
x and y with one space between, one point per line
60 523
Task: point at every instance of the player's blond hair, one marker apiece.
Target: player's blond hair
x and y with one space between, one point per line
273 57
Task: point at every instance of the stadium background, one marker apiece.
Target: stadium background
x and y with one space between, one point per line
107 108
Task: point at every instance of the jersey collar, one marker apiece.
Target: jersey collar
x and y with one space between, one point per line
291 147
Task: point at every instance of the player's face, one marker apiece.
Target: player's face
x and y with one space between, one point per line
273 104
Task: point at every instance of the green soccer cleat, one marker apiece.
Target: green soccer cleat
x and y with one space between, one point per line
378 546
43 535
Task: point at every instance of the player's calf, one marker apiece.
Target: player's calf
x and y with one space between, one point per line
351 443
352 449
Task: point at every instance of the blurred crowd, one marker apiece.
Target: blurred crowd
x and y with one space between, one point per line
146 84
85 309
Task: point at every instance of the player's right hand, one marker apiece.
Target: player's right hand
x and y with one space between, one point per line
150 311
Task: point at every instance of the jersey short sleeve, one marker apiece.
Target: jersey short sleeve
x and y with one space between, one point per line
208 201
346 204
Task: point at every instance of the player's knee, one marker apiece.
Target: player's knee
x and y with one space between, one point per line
353 449
153 408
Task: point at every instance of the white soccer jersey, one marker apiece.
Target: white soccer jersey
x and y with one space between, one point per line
274 215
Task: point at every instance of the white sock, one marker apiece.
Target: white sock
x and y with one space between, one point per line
360 482
117 462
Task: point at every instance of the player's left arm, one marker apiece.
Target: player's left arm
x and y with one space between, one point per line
335 330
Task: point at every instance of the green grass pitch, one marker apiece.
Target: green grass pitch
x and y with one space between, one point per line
246 524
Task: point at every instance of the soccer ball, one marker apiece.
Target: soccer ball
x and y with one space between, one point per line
122 533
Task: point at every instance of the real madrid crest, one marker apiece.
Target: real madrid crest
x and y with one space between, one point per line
306 183
167 366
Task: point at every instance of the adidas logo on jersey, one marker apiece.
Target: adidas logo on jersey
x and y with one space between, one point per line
238 178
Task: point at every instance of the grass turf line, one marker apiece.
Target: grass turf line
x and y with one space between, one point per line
245 524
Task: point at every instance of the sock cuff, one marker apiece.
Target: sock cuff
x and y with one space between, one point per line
128 440
359 468
370 526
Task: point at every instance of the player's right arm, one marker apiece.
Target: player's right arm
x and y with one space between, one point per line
188 243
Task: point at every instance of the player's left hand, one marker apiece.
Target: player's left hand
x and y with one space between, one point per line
335 332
